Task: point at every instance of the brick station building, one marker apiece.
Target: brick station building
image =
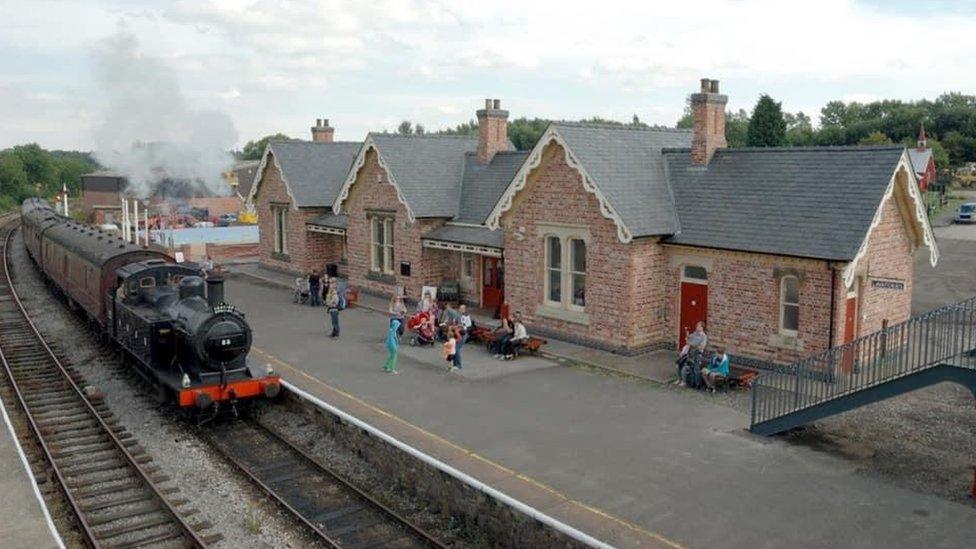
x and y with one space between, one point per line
623 238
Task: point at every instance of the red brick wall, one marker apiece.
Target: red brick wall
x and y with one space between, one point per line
555 194
888 257
218 205
301 256
372 191
221 253
743 302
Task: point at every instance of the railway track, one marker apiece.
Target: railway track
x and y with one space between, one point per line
340 514
113 489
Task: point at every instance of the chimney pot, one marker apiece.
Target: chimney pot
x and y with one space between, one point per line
708 110
325 121
318 122
492 130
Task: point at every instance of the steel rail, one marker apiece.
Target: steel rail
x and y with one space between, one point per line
335 477
91 538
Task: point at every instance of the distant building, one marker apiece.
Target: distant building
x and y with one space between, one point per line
922 161
101 196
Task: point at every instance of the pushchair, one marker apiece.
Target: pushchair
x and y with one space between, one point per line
300 293
422 327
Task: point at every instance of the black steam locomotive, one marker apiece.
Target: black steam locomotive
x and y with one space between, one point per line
176 326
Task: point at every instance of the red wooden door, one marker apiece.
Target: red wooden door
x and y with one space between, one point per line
850 327
694 308
492 286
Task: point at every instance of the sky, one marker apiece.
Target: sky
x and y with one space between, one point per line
276 66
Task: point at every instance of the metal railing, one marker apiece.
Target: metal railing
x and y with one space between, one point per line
943 335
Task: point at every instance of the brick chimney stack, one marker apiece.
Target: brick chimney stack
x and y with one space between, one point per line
322 132
708 110
492 130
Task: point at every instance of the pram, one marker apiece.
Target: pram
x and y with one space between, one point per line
422 327
300 293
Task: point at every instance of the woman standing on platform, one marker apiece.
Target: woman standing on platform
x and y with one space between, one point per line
392 347
332 303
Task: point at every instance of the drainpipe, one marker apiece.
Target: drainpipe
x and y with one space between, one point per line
833 313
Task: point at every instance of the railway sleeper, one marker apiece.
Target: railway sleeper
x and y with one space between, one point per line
124 486
111 463
115 476
154 520
109 515
136 497
155 539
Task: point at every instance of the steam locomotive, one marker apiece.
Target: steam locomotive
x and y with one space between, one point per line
174 325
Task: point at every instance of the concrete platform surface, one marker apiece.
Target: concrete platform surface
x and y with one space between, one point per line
644 460
24 522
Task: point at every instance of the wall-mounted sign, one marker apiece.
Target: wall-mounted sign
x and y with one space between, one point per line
888 284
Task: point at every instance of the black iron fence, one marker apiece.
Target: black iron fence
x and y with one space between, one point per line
943 335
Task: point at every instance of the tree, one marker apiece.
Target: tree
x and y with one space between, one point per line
254 150
875 138
736 128
38 165
405 128
767 128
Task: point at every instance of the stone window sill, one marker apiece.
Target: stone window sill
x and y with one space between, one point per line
280 256
788 342
382 278
566 315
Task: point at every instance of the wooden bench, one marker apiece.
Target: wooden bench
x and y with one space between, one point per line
737 378
532 345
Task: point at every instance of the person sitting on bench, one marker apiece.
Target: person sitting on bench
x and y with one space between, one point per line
718 368
519 336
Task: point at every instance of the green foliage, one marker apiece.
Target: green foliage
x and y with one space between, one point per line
767 127
737 128
28 170
875 138
254 150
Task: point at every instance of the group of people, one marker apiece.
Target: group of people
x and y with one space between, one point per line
313 287
509 336
691 372
450 325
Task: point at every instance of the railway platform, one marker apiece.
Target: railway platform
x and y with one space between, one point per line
24 521
630 463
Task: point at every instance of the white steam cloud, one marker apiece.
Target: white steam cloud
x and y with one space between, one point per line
148 132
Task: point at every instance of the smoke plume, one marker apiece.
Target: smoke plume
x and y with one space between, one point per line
147 130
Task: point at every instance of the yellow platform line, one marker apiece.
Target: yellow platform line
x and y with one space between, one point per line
630 525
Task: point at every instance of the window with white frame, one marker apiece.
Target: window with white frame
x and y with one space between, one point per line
381 255
565 282
789 305
280 214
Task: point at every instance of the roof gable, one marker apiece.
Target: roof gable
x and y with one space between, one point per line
482 184
312 172
621 166
425 170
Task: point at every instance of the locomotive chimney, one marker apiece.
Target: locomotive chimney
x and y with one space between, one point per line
215 291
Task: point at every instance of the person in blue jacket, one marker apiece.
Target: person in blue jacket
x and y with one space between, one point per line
392 346
717 368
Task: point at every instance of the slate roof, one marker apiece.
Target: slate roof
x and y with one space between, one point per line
477 236
627 166
809 202
314 171
245 171
428 169
482 185
331 220
920 159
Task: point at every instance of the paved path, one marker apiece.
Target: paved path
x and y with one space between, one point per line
24 523
651 456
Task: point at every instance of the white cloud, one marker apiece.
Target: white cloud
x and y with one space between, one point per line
282 62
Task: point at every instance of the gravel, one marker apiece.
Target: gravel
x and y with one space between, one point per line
235 508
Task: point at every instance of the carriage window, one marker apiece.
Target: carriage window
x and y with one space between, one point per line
147 282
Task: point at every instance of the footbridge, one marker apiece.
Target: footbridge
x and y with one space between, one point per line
930 348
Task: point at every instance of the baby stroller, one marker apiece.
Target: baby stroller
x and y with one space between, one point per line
423 329
300 293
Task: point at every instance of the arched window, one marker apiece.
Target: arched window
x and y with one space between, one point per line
789 305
